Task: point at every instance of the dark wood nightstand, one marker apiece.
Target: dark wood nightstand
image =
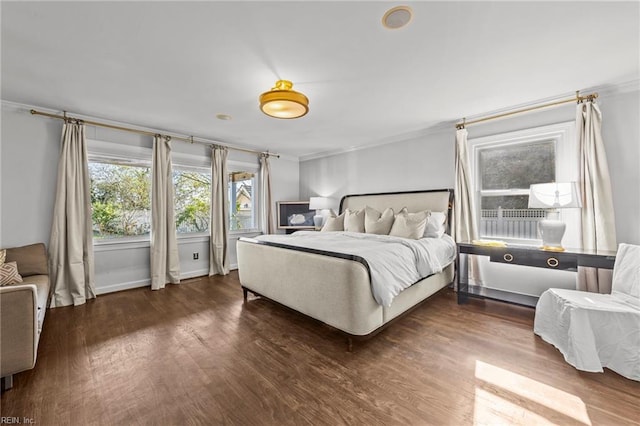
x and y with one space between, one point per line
568 260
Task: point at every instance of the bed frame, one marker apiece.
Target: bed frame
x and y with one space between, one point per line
332 287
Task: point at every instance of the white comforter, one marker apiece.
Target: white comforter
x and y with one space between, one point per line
395 263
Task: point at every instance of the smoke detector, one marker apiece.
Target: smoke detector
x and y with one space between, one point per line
397 17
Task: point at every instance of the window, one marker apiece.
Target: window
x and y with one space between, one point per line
242 200
504 166
120 199
192 199
121 193
504 176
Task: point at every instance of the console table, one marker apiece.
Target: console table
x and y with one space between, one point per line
568 260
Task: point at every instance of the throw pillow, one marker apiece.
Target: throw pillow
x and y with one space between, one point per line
409 225
9 274
334 223
376 222
3 256
354 220
32 259
435 225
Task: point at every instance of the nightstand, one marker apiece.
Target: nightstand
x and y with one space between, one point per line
532 256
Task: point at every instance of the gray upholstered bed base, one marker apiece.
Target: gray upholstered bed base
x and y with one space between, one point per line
337 290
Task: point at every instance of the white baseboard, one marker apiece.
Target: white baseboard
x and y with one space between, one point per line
122 286
193 274
146 282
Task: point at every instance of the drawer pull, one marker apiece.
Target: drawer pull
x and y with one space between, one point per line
552 262
508 257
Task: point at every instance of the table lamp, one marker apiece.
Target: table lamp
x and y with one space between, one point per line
319 204
553 196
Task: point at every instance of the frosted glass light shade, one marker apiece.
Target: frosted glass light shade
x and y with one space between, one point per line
554 195
284 102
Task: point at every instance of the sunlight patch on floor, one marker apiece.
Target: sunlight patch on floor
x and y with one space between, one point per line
489 404
490 409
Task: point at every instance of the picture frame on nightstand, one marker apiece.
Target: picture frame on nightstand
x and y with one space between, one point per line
295 215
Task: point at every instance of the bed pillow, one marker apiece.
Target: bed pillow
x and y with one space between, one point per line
435 225
334 223
354 220
409 225
9 274
376 222
3 256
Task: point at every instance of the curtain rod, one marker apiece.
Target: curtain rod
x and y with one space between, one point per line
190 139
577 99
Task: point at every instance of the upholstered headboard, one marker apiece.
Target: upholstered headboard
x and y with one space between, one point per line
437 200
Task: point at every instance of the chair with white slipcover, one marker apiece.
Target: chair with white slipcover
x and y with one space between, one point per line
595 330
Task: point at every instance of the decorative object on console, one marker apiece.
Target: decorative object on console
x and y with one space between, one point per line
284 102
553 196
321 205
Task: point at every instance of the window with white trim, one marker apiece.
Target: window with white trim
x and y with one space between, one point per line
120 199
243 197
121 193
505 165
192 199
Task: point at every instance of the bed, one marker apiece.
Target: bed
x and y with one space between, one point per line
335 287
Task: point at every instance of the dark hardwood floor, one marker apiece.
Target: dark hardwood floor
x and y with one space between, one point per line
196 354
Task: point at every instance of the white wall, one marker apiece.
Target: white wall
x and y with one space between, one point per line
427 162
29 155
422 163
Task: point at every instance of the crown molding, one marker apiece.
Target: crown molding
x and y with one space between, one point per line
616 88
26 108
434 128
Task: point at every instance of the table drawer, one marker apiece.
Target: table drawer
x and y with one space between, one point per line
539 259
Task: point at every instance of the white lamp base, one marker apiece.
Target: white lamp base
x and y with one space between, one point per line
318 220
552 231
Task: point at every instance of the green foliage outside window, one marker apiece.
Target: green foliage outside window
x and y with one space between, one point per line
192 200
120 200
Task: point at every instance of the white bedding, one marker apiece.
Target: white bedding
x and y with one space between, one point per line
395 263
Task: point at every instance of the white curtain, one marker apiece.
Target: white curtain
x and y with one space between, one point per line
266 209
465 228
464 212
598 222
219 224
71 243
165 263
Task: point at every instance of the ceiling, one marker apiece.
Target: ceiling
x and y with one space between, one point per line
175 65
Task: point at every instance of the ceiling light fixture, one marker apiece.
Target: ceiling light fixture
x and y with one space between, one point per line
397 17
284 102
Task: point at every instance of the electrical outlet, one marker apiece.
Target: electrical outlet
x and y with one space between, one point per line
196 256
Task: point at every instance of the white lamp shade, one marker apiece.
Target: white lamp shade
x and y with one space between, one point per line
554 195
319 203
